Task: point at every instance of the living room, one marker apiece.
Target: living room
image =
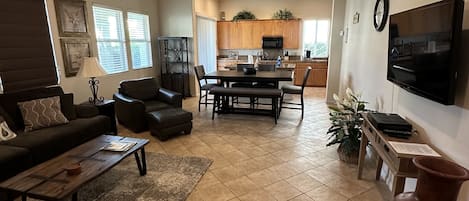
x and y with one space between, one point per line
221 156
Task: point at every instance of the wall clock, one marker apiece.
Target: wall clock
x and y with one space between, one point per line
380 16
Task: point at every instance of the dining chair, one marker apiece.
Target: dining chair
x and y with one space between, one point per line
204 86
265 68
295 90
240 68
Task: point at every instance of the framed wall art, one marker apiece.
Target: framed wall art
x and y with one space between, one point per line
71 18
73 52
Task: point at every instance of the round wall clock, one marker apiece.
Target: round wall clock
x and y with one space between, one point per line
380 16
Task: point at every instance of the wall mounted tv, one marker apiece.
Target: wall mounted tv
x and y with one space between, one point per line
423 49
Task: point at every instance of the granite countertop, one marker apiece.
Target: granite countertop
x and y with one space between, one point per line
244 60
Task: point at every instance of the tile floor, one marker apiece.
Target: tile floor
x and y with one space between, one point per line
254 159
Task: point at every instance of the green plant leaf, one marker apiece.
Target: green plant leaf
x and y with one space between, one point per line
346 121
244 15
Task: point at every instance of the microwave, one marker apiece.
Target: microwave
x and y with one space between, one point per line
272 42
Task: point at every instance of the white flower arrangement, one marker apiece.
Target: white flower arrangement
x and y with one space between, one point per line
346 121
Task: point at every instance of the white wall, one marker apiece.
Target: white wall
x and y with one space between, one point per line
335 50
108 84
265 9
364 67
207 8
176 18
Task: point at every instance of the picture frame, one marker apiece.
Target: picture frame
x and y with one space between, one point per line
73 51
71 18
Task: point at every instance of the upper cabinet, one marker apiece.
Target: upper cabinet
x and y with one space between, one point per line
247 34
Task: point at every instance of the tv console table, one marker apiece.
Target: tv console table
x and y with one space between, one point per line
400 165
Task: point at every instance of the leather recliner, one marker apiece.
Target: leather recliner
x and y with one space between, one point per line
138 97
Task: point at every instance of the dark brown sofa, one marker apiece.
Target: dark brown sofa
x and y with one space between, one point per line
138 97
37 146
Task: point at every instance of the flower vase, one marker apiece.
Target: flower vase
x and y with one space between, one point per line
438 180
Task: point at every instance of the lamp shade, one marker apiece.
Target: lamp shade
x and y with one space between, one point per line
91 68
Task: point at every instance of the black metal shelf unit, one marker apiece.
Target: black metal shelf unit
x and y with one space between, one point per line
175 59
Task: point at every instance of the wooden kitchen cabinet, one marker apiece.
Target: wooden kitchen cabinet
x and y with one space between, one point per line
224 35
247 34
291 34
318 76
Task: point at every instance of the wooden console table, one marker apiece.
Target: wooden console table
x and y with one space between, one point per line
400 165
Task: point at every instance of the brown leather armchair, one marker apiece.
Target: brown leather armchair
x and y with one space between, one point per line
140 96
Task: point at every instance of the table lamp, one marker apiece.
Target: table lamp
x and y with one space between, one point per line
92 69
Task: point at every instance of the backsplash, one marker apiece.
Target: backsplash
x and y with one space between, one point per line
254 52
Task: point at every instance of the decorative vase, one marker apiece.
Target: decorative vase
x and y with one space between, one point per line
438 180
351 158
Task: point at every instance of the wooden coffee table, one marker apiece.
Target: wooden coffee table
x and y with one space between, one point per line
49 181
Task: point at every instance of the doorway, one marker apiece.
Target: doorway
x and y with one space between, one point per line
207 43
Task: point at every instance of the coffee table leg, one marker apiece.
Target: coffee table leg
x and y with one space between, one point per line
23 197
141 164
75 197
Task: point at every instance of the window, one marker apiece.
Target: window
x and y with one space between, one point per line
316 37
110 39
140 42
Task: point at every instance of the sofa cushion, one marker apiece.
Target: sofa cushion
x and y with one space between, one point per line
67 107
42 113
12 113
155 105
142 89
86 110
49 142
13 160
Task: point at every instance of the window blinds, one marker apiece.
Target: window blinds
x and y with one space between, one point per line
26 57
140 40
110 39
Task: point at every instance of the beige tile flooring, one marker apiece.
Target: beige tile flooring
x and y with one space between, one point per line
254 159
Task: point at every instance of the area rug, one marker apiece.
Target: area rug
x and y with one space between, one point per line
169 178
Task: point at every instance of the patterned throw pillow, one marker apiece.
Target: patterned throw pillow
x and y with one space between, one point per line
42 113
5 132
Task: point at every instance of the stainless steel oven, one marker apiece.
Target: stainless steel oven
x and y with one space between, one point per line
272 42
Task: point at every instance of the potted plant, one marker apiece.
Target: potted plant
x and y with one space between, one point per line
346 120
283 14
244 15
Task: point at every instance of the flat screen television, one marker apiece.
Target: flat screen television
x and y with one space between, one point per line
424 49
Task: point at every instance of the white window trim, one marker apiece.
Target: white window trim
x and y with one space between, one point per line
137 40
126 35
123 41
316 35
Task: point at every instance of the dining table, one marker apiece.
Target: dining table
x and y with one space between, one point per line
260 76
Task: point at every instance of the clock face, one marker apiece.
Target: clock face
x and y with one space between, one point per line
381 14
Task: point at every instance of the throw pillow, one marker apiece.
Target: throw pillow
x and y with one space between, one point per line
42 113
5 132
